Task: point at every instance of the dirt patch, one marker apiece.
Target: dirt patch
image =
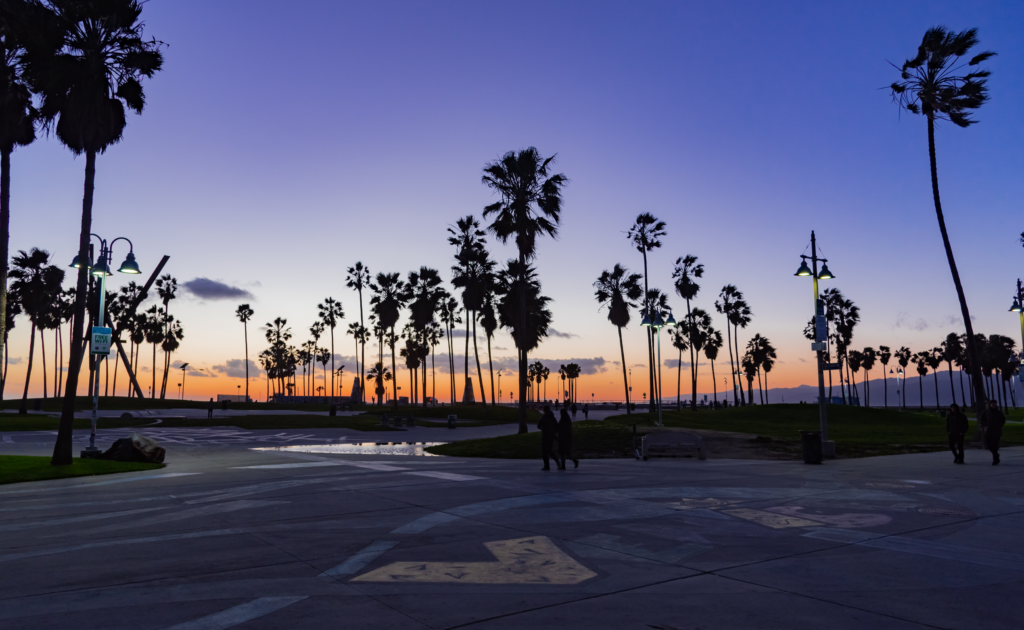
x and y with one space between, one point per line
731 445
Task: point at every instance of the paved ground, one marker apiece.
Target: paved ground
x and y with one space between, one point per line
227 537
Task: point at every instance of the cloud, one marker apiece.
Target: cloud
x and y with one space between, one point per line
207 289
235 368
903 321
555 333
803 360
500 348
674 363
15 360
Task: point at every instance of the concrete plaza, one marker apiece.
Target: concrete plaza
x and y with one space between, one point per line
230 537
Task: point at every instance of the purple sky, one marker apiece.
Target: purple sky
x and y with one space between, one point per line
285 141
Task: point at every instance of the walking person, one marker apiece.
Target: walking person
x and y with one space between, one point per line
573 409
209 410
992 420
956 427
565 439
548 432
586 411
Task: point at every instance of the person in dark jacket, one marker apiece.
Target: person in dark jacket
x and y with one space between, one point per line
573 409
565 440
209 410
956 427
548 432
993 420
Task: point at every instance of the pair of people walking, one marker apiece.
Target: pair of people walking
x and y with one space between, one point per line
991 422
552 431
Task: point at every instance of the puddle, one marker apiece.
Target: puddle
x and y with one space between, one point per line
361 448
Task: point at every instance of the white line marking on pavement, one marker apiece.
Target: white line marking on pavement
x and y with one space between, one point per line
302 465
75 519
238 615
445 475
113 543
424 523
160 519
370 553
100 483
930 548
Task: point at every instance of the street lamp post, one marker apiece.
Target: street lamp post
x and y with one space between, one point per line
1018 307
499 384
100 337
828 448
183 366
658 323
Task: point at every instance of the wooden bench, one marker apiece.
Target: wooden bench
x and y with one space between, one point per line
671 440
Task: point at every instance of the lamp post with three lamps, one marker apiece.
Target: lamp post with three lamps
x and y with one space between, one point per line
828 448
659 322
100 337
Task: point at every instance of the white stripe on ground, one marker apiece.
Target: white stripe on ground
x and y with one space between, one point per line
13 527
302 465
930 548
370 553
160 519
445 475
100 483
424 523
238 615
113 543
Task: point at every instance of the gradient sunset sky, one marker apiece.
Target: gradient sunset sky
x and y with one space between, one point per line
283 142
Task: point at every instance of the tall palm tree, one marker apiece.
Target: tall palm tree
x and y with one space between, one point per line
17 128
930 84
951 351
679 342
868 363
904 357
884 354
166 289
741 318
244 313
389 297
646 234
530 205
961 361
448 308
331 313
36 284
87 63
934 361
695 327
726 305
315 331
854 359
358 278
155 330
711 348
423 292
474 274
513 282
619 290
489 322
379 374
921 360
655 300
12 310
687 268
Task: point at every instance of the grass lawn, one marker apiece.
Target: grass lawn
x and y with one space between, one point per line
857 431
84 403
484 415
9 422
18 468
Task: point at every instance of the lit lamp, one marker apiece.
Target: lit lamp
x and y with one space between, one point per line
828 449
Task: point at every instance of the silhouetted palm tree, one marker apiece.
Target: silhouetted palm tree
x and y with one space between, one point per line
379 374
358 278
244 313
696 326
86 62
868 362
884 354
679 342
331 314
13 309
741 318
921 360
388 299
448 308
513 282
930 85
711 348
167 289
934 361
854 358
687 268
489 322
530 205
646 234
952 348
36 284
726 305
472 273
619 290
904 357
315 331
17 128
423 293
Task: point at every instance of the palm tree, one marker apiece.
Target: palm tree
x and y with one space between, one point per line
868 362
741 317
448 308
155 331
695 327
423 293
315 331
687 268
929 85
36 284
766 355
711 348
87 63
514 282
358 278
749 365
726 305
244 313
167 289
904 357
331 313
489 322
646 234
17 128
530 205
655 300
951 351
12 310
854 358
921 360
934 361
379 374
619 290
961 361
884 354
679 342
389 297
172 339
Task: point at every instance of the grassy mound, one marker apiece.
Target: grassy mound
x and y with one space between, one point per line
18 468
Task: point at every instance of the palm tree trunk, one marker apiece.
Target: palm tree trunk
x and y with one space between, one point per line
465 359
42 353
394 380
679 379
332 364
28 373
490 368
650 333
885 386
760 391
152 393
117 355
732 365
972 349
5 237
963 398
523 320
921 391
714 384
935 374
625 374
7 356
479 372
693 364
736 340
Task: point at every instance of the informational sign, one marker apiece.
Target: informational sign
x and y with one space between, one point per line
100 343
820 328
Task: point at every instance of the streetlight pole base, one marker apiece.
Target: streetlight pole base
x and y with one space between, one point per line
828 449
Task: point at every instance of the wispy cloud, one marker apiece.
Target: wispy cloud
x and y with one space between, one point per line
557 333
207 289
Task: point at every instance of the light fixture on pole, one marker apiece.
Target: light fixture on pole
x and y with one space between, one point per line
659 322
828 448
1018 306
183 366
101 336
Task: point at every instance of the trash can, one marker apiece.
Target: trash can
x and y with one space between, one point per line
452 421
811 443
334 410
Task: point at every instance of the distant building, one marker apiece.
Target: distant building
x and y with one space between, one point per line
232 398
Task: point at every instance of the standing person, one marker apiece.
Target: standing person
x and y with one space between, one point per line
586 411
565 439
993 420
956 427
548 431
209 410
573 408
